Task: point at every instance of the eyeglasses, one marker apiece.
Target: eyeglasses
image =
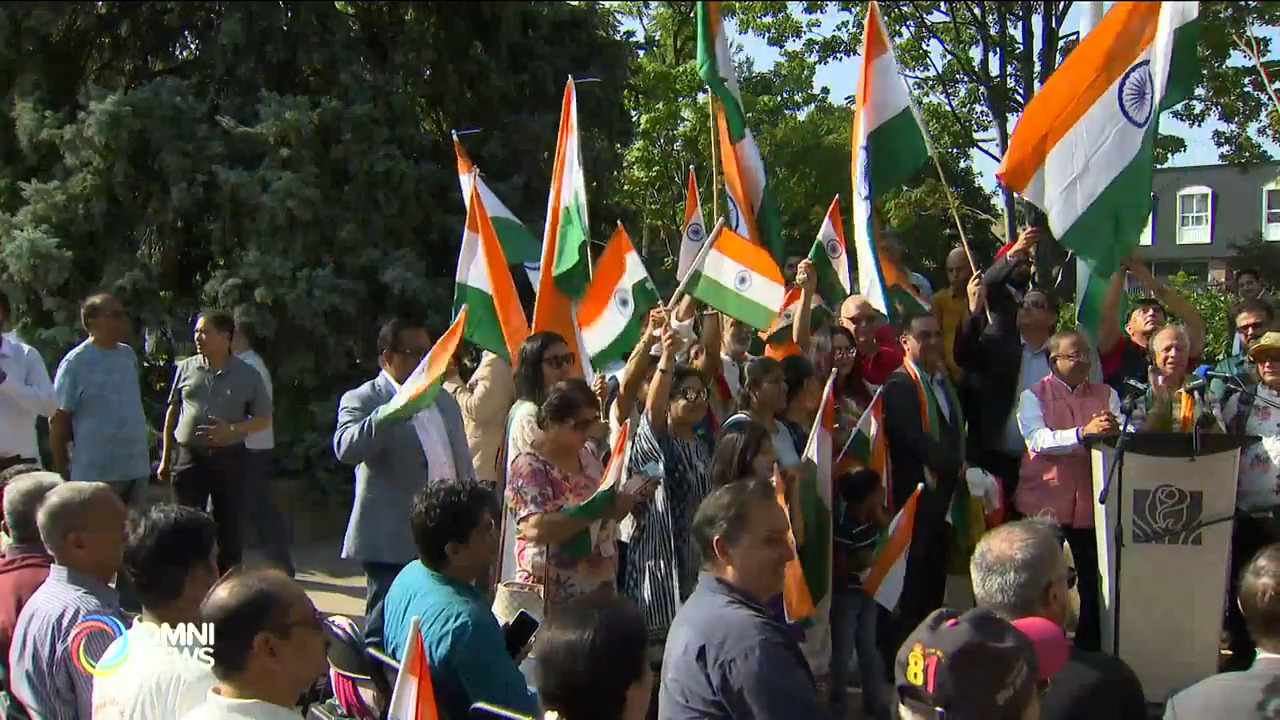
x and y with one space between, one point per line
584 424
692 394
556 362
842 353
315 621
1035 304
413 354
1250 327
922 335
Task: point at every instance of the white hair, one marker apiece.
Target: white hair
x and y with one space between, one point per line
1013 565
1183 338
66 509
22 498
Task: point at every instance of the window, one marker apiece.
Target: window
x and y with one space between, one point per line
1271 211
1195 215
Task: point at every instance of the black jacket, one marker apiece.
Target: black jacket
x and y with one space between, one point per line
912 449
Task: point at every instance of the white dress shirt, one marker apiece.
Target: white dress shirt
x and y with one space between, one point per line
1032 369
263 439
25 394
1040 439
434 438
939 382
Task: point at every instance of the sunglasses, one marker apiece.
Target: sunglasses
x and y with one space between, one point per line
691 394
1250 327
556 362
842 353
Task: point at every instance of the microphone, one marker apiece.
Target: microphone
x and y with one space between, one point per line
1210 374
1135 387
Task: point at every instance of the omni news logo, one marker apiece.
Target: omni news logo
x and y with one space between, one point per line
191 640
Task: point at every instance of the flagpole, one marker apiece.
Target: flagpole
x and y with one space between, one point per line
715 183
697 260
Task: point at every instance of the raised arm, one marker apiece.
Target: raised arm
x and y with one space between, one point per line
659 399
638 365
1173 302
489 390
358 436
807 279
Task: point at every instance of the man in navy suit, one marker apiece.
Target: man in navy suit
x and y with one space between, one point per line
394 459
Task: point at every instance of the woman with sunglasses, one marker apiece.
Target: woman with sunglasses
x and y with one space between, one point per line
662 561
555 544
544 360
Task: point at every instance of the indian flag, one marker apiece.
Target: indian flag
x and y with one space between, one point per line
811 599
518 244
413 697
422 386
889 561
1082 149
889 145
564 240
695 229
740 279
867 446
749 195
613 309
484 284
597 507
830 257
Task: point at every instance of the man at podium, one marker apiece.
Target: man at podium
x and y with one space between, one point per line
1174 400
1254 411
1055 416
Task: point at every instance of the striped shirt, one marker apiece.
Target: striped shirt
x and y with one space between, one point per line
851 538
44 673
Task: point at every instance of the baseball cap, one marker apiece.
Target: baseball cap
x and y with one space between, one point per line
1051 645
967 666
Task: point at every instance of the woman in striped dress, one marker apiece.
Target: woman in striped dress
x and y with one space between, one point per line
662 564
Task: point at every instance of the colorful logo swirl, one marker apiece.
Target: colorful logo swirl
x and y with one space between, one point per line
115 655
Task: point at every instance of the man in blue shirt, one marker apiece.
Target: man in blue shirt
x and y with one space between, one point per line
454 529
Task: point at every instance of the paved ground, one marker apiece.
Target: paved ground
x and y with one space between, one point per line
335 585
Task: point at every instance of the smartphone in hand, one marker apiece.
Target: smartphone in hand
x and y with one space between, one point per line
519 632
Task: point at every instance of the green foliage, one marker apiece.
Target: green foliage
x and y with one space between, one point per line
1259 254
290 161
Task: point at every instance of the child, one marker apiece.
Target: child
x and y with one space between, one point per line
861 515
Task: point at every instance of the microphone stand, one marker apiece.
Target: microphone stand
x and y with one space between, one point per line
1114 472
1238 384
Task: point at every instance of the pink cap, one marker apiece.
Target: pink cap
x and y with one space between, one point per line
1052 648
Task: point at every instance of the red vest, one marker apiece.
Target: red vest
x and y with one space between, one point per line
1059 485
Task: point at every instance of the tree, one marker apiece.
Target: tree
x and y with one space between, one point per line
290 161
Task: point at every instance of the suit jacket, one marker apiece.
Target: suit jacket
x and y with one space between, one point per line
912 449
1248 694
991 356
390 469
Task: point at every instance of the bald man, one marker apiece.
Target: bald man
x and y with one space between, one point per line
271 646
951 306
878 352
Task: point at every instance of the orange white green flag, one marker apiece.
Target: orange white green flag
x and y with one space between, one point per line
889 146
740 279
807 595
1082 150
830 258
757 217
519 244
495 321
423 385
613 309
694 233
889 559
413 697
867 446
566 266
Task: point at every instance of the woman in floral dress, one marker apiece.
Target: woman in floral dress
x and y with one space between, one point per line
564 543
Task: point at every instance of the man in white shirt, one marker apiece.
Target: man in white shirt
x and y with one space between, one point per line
26 392
271 647
170 558
262 515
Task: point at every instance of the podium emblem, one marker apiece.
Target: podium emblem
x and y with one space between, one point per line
1161 513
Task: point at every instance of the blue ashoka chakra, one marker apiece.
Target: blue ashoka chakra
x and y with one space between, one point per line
742 281
695 232
1137 94
732 216
864 184
834 249
788 316
622 300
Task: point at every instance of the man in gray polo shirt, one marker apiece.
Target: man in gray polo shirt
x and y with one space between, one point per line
216 400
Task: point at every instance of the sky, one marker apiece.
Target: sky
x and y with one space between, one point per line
841 78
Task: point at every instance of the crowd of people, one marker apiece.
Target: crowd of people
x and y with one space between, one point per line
663 597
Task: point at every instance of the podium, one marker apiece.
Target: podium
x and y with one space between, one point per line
1164 541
